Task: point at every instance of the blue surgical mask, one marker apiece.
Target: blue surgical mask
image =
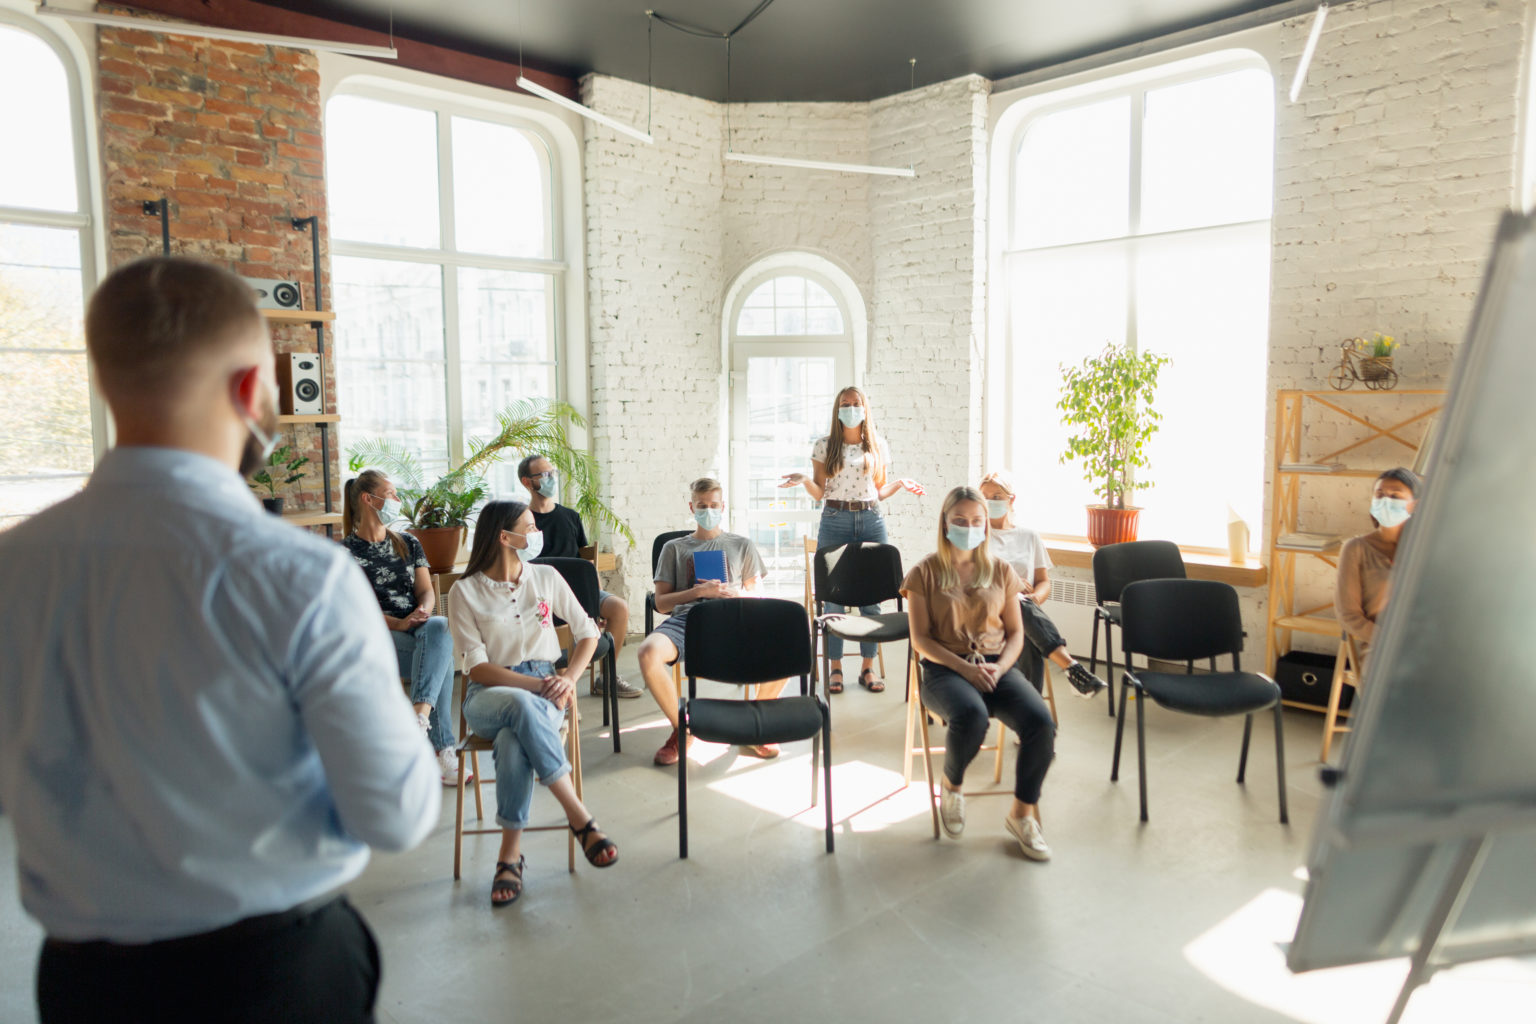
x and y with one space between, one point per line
390 511
997 509
966 538
850 415
708 518
549 485
535 541
1389 512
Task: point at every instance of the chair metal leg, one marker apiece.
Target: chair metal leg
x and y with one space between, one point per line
815 765
611 695
1141 746
826 767
1285 816
1093 647
1242 759
574 756
1114 768
1109 661
682 788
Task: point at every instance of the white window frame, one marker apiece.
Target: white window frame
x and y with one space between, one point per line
86 218
1008 136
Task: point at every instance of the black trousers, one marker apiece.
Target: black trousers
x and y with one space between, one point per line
1041 637
308 964
968 712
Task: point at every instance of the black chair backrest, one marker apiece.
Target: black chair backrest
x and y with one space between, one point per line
1181 620
1116 565
581 576
747 640
858 574
660 542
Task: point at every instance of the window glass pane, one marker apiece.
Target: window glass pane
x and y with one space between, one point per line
790 305
38 171
1208 152
1065 305
499 191
1072 176
390 357
45 415
506 351
1203 300
381 171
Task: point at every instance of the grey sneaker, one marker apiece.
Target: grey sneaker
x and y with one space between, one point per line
952 812
625 690
1084 682
1031 839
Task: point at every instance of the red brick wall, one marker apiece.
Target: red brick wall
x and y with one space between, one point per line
230 134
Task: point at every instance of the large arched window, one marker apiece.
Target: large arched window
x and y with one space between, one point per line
446 272
1138 214
47 437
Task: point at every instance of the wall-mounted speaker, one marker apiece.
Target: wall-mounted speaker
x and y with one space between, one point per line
275 294
300 384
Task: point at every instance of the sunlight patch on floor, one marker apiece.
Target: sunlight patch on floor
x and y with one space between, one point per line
865 797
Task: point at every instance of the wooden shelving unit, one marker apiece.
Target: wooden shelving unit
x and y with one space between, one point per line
299 316
1291 411
317 319
312 518
328 417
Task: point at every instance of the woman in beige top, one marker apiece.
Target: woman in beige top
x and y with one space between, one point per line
963 607
1365 562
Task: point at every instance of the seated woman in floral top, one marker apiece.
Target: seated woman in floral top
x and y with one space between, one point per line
397 569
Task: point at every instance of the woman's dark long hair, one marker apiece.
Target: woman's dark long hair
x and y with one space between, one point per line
495 517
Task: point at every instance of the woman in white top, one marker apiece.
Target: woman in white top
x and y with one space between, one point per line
1023 549
851 477
502 611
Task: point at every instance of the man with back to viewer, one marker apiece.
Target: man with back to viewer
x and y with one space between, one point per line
204 731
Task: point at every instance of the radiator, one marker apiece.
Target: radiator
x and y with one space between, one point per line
1071 608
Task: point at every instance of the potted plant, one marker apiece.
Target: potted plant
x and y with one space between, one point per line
284 466
440 512
1108 400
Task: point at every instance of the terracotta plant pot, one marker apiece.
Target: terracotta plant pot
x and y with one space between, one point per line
441 546
273 505
1111 525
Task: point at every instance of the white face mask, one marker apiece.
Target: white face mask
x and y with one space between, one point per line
850 415
535 544
389 511
966 538
708 518
997 508
1389 512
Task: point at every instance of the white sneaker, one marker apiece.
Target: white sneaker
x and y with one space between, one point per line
952 812
1031 839
626 690
448 765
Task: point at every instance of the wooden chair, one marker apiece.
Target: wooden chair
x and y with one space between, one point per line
917 721
1346 672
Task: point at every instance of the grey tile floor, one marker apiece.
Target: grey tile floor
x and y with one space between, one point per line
1174 921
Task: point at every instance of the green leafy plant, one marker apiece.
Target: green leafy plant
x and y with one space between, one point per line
284 466
526 426
1108 399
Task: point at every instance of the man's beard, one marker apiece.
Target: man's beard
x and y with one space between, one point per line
251 458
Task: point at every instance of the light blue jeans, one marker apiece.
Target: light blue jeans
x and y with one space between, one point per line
526 731
426 659
841 526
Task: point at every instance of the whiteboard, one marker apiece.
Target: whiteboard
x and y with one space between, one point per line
1438 780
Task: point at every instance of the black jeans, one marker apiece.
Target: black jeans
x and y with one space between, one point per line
1041 638
968 712
318 964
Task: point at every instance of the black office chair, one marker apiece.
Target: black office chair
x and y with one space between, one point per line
1182 620
855 575
650 598
748 641
581 576
1114 566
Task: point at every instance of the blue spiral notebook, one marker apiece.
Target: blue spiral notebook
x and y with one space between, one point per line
709 565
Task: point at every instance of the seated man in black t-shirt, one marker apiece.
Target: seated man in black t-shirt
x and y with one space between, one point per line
564 537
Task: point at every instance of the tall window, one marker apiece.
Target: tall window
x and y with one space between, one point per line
445 274
46 440
1140 217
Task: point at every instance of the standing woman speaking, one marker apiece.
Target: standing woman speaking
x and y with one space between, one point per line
850 478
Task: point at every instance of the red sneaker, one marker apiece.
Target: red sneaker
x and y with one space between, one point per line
667 755
762 750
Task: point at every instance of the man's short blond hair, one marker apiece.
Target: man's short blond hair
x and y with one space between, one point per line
703 485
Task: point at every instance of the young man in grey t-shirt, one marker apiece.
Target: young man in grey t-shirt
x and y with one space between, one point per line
678 589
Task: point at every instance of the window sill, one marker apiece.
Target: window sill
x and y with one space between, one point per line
1200 564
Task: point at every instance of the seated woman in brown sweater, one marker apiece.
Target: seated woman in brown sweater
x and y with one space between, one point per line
1365 562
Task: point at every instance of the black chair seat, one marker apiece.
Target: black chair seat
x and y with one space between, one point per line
883 628
1214 693
1109 613
750 722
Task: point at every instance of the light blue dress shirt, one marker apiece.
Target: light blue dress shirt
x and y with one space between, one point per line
201 717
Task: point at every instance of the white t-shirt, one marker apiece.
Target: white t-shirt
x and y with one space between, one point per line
1021 548
854 480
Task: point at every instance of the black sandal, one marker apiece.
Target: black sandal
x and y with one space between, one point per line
835 685
598 848
513 885
872 684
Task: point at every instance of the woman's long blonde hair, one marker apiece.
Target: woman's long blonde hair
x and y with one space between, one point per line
867 438
944 554
367 482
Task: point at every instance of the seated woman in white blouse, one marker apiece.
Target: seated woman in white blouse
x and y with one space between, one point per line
502 612
1023 549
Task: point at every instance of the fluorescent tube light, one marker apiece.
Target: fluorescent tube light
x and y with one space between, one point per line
821 165
187 28
585 111
1311 47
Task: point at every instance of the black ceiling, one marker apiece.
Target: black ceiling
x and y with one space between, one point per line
796 49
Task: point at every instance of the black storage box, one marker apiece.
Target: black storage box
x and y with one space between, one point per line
1306 678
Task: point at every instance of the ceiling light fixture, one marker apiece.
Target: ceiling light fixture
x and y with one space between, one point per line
187 28
529 85
1311 47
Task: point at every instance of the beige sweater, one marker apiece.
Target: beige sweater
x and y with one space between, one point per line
1364 584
